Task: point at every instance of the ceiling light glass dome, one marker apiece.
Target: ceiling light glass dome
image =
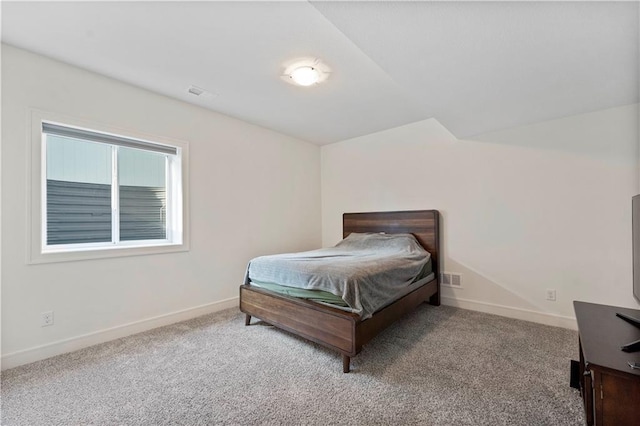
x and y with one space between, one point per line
305 76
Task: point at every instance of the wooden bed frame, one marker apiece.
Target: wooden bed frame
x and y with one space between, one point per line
337 329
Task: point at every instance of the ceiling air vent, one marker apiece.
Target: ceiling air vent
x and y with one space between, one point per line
195 90
201 93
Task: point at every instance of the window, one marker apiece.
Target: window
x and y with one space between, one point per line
101 191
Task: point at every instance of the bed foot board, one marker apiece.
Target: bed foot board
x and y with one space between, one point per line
247 319
346 363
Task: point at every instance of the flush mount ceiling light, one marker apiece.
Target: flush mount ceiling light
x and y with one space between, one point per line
305 72
305 76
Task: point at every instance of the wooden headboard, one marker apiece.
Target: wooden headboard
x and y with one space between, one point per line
423 224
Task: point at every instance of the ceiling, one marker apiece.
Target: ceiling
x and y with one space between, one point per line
473 66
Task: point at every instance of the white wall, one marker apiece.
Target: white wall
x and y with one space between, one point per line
253 191
546 206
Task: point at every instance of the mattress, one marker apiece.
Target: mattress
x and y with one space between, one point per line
362 273
301 293
329 299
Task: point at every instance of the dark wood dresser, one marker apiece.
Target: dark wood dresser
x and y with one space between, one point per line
610 388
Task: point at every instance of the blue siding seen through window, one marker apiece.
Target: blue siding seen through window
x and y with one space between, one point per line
78 212
81 213
142 213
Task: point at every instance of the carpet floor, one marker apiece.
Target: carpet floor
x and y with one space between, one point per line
436 366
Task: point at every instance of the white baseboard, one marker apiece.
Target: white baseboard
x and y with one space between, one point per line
510 312
37 353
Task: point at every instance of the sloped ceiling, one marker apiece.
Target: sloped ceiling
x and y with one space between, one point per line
474 66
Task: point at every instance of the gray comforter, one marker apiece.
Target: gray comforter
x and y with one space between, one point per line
366 270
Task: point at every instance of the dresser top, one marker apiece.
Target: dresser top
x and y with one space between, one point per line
602 333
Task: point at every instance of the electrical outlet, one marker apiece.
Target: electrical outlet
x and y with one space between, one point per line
551 295
46 318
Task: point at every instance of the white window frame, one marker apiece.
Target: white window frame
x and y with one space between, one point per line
177 223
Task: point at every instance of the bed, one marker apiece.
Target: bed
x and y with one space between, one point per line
337 329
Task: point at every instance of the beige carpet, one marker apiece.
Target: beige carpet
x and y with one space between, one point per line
437 366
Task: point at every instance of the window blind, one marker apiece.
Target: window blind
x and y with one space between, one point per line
88 135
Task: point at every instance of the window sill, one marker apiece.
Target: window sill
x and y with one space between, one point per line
105 252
